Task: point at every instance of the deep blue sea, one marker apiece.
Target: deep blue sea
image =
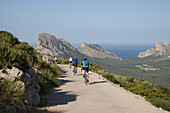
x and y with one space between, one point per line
125 50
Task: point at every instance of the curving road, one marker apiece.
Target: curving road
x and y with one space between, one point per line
100 96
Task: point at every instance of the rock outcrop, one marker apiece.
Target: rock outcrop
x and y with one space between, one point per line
27 80
50 45
161 49
94 50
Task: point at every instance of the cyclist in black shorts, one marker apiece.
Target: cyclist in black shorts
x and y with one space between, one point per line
85 66
75 63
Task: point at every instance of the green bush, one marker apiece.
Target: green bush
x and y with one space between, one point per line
63 62
111 78
12 93
162 103
130 79
21 55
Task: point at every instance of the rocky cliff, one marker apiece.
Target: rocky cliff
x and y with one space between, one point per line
161 49
94 50
50 45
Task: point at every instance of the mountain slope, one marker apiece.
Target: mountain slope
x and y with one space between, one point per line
94 50
50 45
161 49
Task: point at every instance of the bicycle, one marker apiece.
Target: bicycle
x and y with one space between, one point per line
70 65
74 70
85 77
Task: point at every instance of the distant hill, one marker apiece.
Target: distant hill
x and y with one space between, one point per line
161 49
94 50
50 45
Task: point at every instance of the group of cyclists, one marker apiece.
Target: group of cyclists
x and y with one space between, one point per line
84 66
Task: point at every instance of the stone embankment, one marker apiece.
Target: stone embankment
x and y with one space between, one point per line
28 82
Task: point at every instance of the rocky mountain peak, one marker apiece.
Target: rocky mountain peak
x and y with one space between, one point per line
161 49
83 44
50 45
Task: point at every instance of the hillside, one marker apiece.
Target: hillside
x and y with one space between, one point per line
24 76
130 67
96 51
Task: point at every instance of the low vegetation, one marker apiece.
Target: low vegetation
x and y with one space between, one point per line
21 55
146 67
158 68
158 95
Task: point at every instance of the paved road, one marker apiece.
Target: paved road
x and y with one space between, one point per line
100 96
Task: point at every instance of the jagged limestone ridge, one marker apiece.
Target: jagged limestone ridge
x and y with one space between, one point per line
161 49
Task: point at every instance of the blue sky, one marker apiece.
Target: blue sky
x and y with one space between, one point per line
91 21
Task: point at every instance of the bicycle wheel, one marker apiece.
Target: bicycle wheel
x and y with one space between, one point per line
85 77
74 71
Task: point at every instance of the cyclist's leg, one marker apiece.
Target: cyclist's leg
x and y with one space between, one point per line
73 67
87 73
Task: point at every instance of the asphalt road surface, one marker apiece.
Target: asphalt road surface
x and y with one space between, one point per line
100 96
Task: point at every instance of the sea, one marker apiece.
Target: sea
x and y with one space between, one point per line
125 50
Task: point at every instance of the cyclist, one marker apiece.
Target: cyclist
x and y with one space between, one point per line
85 66
56 59
75 63
70 61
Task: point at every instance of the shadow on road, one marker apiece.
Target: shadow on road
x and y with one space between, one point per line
60 98
62 81
97 82
79 74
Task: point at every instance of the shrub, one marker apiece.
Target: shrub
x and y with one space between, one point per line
111 78
12 93
162 103
130 79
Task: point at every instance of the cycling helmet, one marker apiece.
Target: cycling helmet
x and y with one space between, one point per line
85 59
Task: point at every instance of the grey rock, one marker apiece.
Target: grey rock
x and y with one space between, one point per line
11 109
26 79
47 59
32 96
14 72
50 45
32 72
161 49
7 77
36 86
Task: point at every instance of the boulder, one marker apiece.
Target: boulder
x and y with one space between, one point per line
33 72
36 86
32 96
26 80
